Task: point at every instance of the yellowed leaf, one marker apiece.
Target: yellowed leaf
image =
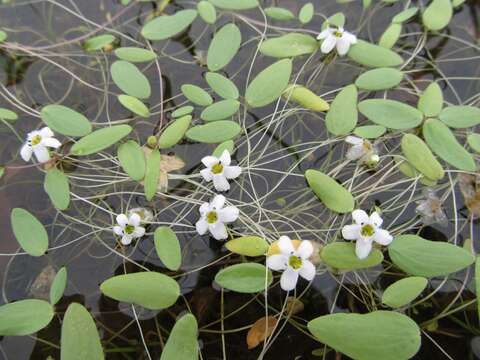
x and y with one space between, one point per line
261 329
470 188
168 163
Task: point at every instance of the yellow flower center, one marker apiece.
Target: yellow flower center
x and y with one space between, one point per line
129 229
212 217
338 34
367 230
295 262
36 140
217 168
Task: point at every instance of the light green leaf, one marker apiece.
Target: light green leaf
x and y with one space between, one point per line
269 84
306 13
437 15
2 171
220 110
390 113
366 3
135 54
168 247
226 145
341 255
182 342
214 132
306 98
182 111
7 114
65 121
405 15
222 86
419 155
98 42
24 317
404 291
431 100
167 26
244 278
132 159
174 132
152 174
336 20
372 55
457 3
390 36
29 232
408 170
149 289
342 117
196 95
370 131
460 117
474 142
444 144
385 335
379 79
207 12
248 245
129 79
100 140
235 4
3 36
420 257
80 338
224 47
279 13
333 195
134 105
289 45
57 187
58 286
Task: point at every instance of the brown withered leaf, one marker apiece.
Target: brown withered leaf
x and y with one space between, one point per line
261 329
470 188
294 306
40 288
168 163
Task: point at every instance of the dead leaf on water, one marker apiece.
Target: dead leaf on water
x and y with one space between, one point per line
261 329
470 188
168 163
40 288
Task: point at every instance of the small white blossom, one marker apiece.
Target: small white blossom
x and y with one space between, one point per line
362 150
293 262
37 143
338 38
365 231
430 209
214 216
220 171
129 228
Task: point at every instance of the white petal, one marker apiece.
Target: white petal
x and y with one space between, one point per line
220 182
342 46
355 152
232 172
285 245
205 208
138 232
225 158
218 202
51 142
289 279
126 239
351 232
41 153
277 262
307 270
135 219
324 34
122 220
45 132
206 174
360 217
354 140
202 226
328 44
209 161
305 249
375 219
382 237
352 39
363 248
118 230
218 230
228 214
26 152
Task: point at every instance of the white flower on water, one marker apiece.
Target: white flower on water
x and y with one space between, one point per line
214 216
220 171
37 143
430 209
365 231
338 38
129 228
293 262
362 150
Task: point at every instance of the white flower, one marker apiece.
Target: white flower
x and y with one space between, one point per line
37 143
214 216
362 150
365 231
129 228
430 209
219 170
292 262
336 38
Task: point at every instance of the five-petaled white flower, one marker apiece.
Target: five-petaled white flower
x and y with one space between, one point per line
37 143
366 230
338 38
129 228
292 262
362 150
219 170
214 216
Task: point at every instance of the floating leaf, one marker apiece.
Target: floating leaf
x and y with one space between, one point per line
132 159
196 95
390 113
129 79
404 291
405 15
279 13
408 170
226 145
220 110
135 54
357 336
306 13
342 117
420 257
306 98
419 155
460 117
168 247
390 36
215 132
222 86
134 105
24 317
65 121
172 135
182 342
152 174
149 289
6 114
235 4
269 84
3 36
260 330
437 15
29 232
57 187
336 20
244 278
248 245
58 286
289 45
370 131
80 338
167 26
444 144
100 140
333 195
474 142
224 47
372 55
207 12
98 42
431 100
379 79
182 111
341 255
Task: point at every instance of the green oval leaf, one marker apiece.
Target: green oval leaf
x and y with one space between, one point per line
65 121
333 195
24 317
248 245
226 145
100 140
207 12
342 117
58 189
182 111
7 114
244 278
404 291
474 142
29 232
289 45
306 98
174 132
98 42
390 36
58 286
372 55
390 113
196 95
431 100
379 79
129 79
222 86
408 170
168 247
134 105
132 159
152 174
235 4
279 13
135 54
3 36
214 132
437 15
182 342
419 155
370 131
306 13
460 117
167 26
220 110
405 15
341 255
224 46
336 20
